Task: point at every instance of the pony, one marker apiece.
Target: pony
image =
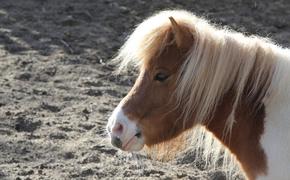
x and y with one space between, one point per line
194 76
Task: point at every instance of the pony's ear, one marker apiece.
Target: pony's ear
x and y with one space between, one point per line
183 37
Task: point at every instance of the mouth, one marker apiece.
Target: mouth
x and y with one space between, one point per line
138 134
130 142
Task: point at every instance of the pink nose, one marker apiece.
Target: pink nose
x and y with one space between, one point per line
117 129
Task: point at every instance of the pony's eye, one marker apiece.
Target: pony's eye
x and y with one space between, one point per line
160 77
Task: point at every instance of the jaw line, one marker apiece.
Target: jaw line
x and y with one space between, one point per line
129 142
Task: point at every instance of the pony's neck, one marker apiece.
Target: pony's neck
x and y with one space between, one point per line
276 134
243 141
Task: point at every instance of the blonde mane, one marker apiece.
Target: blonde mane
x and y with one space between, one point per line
219 60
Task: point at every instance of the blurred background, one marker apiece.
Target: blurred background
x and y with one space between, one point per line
57 88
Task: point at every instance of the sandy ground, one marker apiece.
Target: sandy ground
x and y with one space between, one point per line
57 89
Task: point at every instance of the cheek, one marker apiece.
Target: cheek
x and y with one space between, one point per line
153 131
150 106
161 96
161 127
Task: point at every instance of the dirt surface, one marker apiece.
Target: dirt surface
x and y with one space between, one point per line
57 89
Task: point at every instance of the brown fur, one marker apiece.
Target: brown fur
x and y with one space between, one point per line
244 140
151 105
156 107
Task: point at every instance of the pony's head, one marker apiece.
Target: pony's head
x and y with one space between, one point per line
148 114
188 69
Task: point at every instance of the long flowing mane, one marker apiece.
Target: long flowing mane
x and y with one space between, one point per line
219 60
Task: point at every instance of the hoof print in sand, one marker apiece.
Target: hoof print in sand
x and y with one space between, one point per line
93 92
87 172
58 135
90 158
68 155
52 108
104 149
87 126
26 125
23 76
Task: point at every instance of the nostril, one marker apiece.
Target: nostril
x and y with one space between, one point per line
116 142
118 129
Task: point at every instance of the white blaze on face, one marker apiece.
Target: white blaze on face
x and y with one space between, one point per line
121 127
